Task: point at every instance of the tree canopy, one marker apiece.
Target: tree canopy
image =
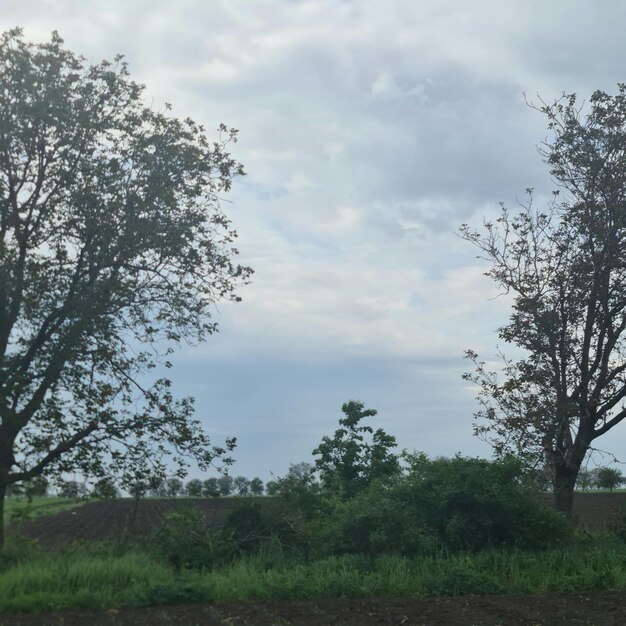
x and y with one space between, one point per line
356 454
113 250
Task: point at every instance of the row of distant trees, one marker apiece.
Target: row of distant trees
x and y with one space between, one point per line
224 485
600 478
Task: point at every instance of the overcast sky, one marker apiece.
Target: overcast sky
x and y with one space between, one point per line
370 131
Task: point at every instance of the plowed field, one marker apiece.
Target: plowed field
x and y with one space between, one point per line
110 518
592 609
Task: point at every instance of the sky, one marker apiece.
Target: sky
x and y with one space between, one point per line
370 131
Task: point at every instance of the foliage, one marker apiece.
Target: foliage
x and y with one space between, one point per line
211 488
71 489
256 487
460 504
36 487
173 487
241 485
565 265
225 484
585 479
472 504
298 488
138 489
356 455
96 577
194 488
113 250
105 489
609 478
187 539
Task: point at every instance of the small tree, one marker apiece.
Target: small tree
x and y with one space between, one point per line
256 487
105 489
157 488
211 488
225 484
356 454
138 489
585 479
194 488
272 487
173 487
242 485
71 489
36 488
609 478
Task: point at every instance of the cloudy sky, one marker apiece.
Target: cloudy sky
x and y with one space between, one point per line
370 131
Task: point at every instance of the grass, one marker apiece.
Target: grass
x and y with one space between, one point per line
20 507
108 576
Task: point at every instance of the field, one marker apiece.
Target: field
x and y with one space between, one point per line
92 521
488 588
15 508
109 518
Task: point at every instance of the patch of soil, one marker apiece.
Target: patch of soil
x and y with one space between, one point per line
598 510
110 518
590 609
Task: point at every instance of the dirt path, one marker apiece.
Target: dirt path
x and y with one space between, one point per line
590 609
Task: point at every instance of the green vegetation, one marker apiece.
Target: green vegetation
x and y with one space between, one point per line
108 576
373 524
21 508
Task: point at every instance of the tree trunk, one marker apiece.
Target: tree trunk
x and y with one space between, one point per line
564 482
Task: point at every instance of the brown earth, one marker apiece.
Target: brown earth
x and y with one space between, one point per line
110 518
599 510
591 609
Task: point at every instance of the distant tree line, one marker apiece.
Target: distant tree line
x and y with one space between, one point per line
600 478
105 488
215 487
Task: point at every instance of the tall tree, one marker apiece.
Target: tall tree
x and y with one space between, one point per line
113 249
565 266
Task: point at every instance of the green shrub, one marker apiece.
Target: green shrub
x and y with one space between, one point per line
186 539
472 504
251 527
459 504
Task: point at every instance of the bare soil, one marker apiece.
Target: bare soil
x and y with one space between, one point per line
111 518
592 609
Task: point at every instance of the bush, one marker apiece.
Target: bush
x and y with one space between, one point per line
471 504
373 522
458 504
250 527
186 539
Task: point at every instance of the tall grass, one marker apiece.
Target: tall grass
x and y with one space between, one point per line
106 576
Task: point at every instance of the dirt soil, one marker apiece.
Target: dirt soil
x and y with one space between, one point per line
110 518
590 609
